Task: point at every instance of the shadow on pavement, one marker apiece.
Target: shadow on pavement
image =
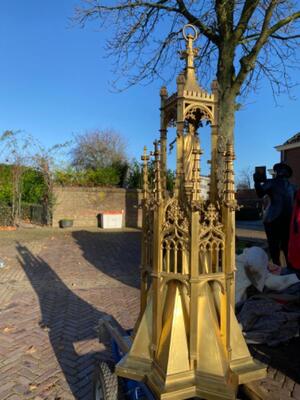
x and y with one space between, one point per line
68 326
124 255
68 319
284 357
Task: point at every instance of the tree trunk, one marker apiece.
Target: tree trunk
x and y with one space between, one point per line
227 95
226 105
17 193
48 198
226 120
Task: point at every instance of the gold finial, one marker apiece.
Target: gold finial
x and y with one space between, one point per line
157 171
145 159
190 52
145 156
196 175
190 34
229 193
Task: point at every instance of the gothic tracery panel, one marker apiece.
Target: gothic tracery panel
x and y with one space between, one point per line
195 114
175 239
211 242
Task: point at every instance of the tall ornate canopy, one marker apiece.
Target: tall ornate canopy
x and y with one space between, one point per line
187 341
187 109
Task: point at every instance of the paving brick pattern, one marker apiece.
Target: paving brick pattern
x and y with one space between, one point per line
283 371
50 302
53 292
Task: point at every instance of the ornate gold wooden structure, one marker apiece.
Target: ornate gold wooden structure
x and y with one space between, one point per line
187 340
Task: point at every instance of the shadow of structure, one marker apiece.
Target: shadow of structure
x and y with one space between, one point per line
122 249
68 320
284 357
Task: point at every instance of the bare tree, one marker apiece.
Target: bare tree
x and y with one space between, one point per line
15 150
242 41
22 151
98 149
45 160
245 178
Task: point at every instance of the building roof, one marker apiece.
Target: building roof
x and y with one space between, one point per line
291 143
293 139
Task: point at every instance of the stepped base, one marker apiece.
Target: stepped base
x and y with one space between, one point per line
190 384
248 370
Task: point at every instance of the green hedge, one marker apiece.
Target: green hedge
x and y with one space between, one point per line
5 214
109 176
5 184
33 186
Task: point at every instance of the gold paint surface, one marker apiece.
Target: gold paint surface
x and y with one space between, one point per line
187 341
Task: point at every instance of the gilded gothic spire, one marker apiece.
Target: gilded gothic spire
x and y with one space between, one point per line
157 172
188 261
189 55
145 159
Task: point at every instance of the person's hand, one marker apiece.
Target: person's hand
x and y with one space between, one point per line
274 268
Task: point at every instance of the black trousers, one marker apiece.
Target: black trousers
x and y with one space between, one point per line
278 232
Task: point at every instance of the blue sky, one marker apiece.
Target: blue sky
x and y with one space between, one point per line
54 82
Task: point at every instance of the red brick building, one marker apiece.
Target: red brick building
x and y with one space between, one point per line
290 153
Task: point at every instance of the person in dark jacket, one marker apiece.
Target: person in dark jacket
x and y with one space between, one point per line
294 242
278 215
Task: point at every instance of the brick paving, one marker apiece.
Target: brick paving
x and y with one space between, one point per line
283 377
52 293
50 301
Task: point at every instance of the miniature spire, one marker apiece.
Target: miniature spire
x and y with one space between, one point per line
190 53
157 171
196 175
229 195
163 92
145 159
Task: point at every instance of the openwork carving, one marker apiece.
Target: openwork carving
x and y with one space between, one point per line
211 242
175 218
175 239
196 114
148 236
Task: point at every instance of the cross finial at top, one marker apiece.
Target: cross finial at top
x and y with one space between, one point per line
190 52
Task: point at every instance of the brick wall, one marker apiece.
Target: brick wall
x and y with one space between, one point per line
248 197
84 204
292 158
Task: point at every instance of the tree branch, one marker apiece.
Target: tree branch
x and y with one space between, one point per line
248 62
192 19
147 34
138 4
224 10
246 14
84 14
280 24
255 36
